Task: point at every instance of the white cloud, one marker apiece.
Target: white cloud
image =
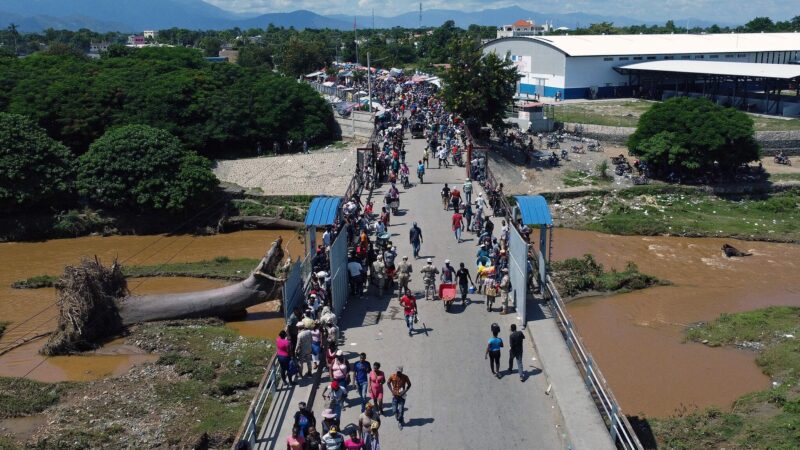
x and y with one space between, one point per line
724 11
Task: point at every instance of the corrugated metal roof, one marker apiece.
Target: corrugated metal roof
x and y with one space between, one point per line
323 211
534 210
755 70
668 44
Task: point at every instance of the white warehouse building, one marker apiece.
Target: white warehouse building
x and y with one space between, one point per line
594 66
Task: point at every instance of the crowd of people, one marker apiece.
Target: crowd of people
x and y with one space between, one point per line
311 338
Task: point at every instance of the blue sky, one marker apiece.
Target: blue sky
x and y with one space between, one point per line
724 11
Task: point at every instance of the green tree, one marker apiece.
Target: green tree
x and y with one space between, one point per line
211 46
144 169
691 136
759 24
35 170
299 57
479 88
255 56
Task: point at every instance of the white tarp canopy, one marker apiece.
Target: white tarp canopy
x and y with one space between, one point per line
315 74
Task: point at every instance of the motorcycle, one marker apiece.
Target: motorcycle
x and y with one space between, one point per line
781 159
564 155
553 160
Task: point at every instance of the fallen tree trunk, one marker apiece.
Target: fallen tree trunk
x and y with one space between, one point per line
262 285
94 302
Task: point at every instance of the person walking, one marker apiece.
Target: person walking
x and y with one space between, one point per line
295 441
493 351
366 419
372 441
333 440
340 370
376 381
334 396
505 288
458 223
467 188
448 273
399 383
490 289
354 442
415 238
304 419
429 273
282 346
455 198
361 369
355 270
303 351
313 439
409 303
464 280
468 215
404 274
515 352
445 197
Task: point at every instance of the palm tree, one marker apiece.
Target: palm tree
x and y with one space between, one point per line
12 29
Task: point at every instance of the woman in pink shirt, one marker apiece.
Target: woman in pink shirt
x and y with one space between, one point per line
295 441
353 443
376 381
282 346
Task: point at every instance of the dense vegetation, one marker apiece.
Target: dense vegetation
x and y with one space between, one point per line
34 169
144 169
214 109
690 137
764 419
576 275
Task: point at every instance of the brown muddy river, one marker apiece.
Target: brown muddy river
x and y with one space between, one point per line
33 311
637 338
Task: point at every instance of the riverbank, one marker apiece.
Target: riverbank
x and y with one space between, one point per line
233 209
219 268
681 211
762 419
195 395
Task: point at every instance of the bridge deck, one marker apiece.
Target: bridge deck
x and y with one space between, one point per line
455 401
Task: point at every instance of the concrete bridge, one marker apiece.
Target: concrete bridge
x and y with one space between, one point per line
455 402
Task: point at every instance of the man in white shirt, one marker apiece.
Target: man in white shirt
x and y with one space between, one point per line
354 268
326 237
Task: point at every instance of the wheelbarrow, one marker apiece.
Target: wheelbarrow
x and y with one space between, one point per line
447 292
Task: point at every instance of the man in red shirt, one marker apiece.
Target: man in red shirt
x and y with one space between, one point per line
455 198
409 303
458 224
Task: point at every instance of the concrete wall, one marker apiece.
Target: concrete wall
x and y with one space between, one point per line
545 76
771 141
358 125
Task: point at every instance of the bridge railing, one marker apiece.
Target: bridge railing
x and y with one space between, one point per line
248 432
618 425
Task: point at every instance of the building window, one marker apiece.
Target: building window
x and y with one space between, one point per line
623 58
651 57
714 57
730 56
742 55
608 59
685 57
637 58
669 57
699 56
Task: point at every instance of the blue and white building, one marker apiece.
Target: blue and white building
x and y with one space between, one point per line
589 66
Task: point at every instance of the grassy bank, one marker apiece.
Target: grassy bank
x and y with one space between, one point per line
22 397
655 210
765 419
220 267
194 396
292 207
626 113
574 178
574 276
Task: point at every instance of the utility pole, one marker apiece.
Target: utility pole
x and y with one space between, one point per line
355 30
369 83
420 15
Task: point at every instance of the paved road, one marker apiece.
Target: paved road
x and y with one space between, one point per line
455 402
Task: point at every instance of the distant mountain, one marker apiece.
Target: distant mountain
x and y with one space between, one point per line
299 19
137 15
